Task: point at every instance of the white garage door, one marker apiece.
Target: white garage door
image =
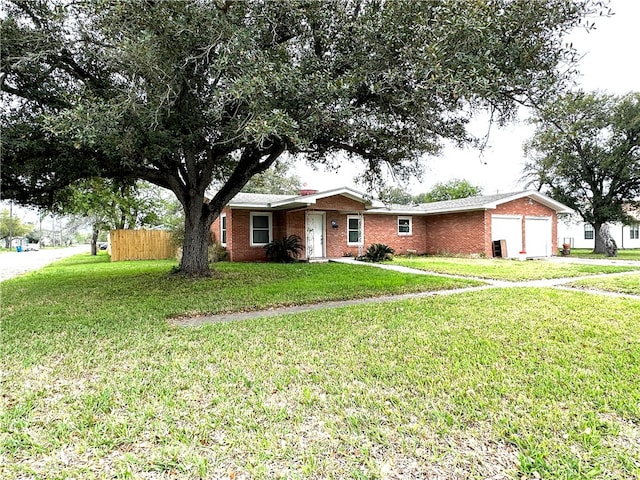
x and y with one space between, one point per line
537 236
509 228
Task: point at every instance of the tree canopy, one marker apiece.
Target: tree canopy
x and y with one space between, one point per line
585 153
182 93
451 190
397 195
277 180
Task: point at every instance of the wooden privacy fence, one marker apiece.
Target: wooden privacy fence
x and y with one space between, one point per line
141 245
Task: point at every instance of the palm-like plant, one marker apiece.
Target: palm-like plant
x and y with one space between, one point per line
378 252
285 250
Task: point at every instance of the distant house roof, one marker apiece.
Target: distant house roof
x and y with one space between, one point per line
486 202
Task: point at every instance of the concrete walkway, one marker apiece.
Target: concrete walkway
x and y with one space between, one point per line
559 283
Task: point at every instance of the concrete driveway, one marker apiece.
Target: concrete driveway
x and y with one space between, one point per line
13 264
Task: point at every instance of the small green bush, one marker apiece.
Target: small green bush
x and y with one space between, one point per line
378 252
285 250
217 253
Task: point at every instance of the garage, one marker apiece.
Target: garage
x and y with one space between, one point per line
509 228
538 236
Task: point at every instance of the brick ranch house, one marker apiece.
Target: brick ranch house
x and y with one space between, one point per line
343 221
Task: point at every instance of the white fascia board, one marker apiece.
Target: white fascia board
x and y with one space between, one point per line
306 200
551 203
388 211
294 202
538 197
262 206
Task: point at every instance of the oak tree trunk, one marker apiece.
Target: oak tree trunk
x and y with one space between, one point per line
197 237
609 247
599 245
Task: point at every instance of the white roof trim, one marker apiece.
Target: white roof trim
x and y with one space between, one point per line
489 205
540 198
400 211
302 200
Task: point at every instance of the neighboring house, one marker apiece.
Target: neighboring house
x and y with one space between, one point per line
574 231
343 221
19 242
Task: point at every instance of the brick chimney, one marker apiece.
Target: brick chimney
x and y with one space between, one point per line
307 191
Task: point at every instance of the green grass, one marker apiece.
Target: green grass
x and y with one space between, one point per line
629 284
627 254
523 383
147 286
510 270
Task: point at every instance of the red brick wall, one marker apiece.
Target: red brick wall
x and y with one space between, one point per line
457 233
336 238
295 222
338 202
384 229
279 225
238 232
216 227
238 237
470 232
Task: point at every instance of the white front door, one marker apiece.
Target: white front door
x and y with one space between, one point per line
315 235
537 236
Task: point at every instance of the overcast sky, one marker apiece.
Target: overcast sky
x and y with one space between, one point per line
610 63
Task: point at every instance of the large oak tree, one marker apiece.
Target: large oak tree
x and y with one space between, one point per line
585 153
181 93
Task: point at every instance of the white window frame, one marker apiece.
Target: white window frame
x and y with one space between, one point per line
251 229
360 219
223 230
410 232
634 231
588 228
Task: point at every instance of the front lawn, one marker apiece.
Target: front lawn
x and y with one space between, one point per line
147 285
629 284
627 254
509 383
503 269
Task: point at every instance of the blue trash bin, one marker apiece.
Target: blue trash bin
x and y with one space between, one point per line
19 248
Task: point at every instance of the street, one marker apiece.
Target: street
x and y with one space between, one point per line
14 263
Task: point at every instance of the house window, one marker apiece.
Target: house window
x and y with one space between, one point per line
223 229
354 230
261 229
405 226
634 231
588 231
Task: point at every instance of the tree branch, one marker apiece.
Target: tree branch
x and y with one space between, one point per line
250 164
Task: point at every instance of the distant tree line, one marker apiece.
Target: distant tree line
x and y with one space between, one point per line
441 191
